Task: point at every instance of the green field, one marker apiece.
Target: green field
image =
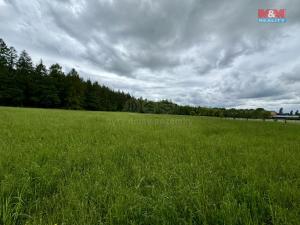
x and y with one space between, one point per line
75 167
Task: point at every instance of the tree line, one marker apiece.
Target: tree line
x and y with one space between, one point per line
27 85
291 113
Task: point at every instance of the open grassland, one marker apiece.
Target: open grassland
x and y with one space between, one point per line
75 167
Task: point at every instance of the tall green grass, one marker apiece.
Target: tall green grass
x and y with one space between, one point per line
75 167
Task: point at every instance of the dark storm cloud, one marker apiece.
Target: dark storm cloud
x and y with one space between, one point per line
204 52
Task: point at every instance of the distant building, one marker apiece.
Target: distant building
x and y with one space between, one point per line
273 113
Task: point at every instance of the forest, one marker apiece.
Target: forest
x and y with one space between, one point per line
25 84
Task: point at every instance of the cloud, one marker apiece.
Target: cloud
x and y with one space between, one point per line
193 52
292 77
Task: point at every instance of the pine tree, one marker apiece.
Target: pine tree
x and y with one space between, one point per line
41 70
74 90
12 58
24 63
91 100
3 54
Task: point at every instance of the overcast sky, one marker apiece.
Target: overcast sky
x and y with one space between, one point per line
199 52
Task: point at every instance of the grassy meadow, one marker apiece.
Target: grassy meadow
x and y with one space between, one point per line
76 167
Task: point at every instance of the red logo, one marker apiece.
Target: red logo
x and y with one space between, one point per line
271 13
